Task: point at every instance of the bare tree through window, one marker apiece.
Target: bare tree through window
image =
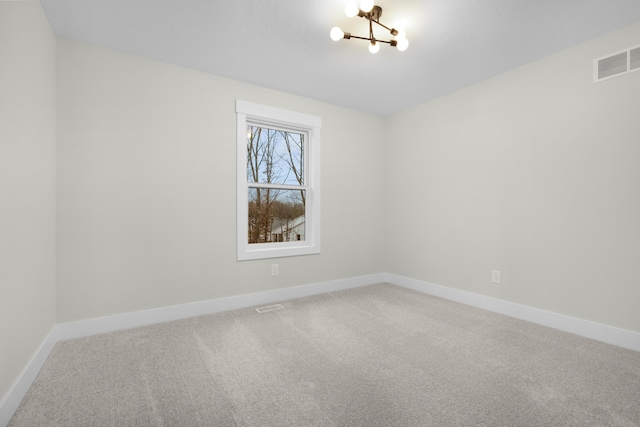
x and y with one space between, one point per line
276 177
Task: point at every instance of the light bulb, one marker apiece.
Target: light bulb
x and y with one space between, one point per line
374 47
336 34
402 45
351 9
366 5
401 34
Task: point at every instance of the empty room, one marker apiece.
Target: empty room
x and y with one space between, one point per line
319 213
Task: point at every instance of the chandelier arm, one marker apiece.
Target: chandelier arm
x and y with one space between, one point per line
391 42
393 31
360 38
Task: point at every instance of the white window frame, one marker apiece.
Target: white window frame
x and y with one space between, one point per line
267 116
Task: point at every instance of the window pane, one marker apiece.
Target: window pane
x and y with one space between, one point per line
276 215
275 156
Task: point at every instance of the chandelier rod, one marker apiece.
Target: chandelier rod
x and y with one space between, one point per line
371 18
389 42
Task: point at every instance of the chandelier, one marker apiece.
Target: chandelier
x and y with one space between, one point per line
371 13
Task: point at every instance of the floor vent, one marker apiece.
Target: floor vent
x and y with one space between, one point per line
269 308
616 64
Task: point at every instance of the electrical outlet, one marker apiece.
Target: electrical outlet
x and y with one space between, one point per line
495 276
274 269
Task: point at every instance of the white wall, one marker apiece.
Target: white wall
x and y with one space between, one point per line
535 173
146 187
27 186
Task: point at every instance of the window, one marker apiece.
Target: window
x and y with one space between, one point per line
278 179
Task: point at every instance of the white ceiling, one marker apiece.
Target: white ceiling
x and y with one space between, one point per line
285 44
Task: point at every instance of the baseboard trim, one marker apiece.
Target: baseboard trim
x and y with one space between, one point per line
585 328
18 391
82 328
118 322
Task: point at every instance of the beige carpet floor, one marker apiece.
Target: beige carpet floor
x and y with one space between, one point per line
374 356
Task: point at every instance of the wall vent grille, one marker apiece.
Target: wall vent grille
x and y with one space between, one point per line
634 59
616 64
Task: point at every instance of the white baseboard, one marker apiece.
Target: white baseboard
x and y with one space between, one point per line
18 391
585 328
65 331
118 322
83 328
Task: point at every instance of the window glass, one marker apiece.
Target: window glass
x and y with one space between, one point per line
275 156
276 212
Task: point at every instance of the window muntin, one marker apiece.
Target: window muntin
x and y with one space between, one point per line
278 182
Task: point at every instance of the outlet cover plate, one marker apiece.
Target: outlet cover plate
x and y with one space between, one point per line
495 276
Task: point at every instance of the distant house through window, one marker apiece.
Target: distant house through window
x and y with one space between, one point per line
278 182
